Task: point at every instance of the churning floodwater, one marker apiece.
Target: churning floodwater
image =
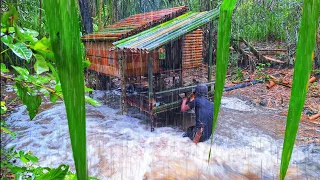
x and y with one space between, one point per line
246 144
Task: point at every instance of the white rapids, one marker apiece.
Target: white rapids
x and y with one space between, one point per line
122 147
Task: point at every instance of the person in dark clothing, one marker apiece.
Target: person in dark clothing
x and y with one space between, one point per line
203 110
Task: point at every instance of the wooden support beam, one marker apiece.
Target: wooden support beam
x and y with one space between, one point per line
183 88
210 54
123 108
150 87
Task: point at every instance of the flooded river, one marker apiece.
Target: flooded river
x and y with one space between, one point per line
247 144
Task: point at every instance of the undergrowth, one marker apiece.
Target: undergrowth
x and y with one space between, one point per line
267 20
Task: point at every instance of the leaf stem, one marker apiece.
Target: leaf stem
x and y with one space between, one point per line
4 51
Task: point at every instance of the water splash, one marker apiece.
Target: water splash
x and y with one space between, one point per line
122 147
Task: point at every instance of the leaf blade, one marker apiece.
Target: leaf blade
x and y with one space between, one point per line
302 70
224 31
21 50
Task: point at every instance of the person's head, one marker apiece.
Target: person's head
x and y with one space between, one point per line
201 90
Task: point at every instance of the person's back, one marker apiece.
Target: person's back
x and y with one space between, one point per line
204 113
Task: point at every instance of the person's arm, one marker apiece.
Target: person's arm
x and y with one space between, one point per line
184 106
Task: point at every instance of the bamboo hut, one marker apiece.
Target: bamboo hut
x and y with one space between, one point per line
172 43
98 44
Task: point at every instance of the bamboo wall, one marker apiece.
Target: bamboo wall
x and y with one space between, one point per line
192 49
107 62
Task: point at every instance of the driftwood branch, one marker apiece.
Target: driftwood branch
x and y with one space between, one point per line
256 53
280 81
273 60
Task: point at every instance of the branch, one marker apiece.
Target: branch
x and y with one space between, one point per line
39 85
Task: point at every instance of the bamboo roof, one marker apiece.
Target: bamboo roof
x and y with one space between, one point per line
135 24
171 30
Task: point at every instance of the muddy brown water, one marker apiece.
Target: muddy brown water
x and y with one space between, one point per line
247 143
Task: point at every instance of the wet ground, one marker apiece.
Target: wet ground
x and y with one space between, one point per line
247 143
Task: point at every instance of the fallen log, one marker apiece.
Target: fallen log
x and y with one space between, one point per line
312 79
315 116
271 84
273 60
256 53
280 82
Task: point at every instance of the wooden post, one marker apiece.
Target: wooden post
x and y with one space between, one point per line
210 54
123 109
150 87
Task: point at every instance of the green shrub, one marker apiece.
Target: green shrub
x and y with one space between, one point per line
263 20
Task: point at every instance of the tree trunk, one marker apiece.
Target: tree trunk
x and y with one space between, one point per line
40 16
115 11
85 15
100 14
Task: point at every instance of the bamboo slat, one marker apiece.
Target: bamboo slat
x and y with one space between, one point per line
135 24
169 31
192 49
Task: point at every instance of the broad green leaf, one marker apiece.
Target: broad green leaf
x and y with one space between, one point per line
53 98
6 130
302 69
23 36
7 39
44 48
3 107
92 101
4 68
41 79
30 32
18 171
43 45
65 39
54 174
41 65
31 157
224 31
31 101
22 71
21 50
24 159
86 63
7 30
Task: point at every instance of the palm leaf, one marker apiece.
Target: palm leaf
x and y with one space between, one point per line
302 69
63 22
224 31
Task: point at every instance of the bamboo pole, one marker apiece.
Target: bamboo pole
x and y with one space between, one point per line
123 109
150 87
183 88
179 32
210 53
